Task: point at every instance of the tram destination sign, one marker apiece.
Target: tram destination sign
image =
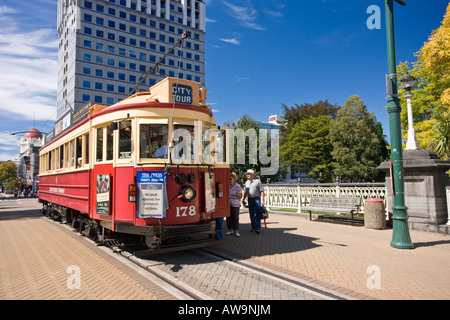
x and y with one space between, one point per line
151 194
182 94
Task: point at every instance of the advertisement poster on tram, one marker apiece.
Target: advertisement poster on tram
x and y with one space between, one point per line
151 194
103 187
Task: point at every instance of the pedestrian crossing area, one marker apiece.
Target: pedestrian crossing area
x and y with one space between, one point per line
7 201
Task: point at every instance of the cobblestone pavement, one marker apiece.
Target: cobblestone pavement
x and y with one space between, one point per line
40 260
38 256
351 258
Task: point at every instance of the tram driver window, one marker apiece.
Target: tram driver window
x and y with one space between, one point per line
183 141
153 144
125 139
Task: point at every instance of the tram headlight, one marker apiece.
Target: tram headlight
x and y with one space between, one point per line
187 194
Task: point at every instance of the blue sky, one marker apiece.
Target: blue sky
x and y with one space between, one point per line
259 54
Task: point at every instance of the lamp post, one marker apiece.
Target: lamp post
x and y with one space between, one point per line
408 82
400 236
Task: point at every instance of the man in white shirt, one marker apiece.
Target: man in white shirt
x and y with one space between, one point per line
254 190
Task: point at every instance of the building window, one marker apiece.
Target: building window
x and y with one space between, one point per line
88 5
85 97
86 70
100 8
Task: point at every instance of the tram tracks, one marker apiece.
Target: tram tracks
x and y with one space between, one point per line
202 278
209 274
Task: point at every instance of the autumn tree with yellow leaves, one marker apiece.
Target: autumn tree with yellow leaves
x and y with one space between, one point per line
431 100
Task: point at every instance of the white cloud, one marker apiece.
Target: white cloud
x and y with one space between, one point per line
28 60
6 9
246 15
8 140
231 40
238 79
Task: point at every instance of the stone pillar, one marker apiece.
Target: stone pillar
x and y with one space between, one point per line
425 184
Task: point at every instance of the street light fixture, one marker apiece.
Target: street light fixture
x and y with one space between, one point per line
400 236
408 82
14 133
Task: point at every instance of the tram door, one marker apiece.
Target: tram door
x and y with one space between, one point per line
102 177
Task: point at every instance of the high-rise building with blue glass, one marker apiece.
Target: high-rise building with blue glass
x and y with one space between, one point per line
107 46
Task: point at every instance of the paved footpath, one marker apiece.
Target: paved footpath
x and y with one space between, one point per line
33 266
349 257
352 260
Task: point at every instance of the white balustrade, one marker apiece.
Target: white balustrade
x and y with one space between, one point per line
297 196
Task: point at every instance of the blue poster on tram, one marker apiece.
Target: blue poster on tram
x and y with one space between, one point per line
151 201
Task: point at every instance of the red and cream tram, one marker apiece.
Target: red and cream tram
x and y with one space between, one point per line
153 165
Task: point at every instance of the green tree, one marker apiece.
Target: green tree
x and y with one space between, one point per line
290 142
431 93
8 171
295 114
307 146
246 149
356 140
441 133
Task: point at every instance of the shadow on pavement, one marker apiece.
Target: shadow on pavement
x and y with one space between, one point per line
14 214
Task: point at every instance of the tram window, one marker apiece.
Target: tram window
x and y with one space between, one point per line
153 142
66 150
49 163
53 160
109 142
221 146
99 156
79 154
214 146
86 148
73 148
61 157
125 139
184 142
57 158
